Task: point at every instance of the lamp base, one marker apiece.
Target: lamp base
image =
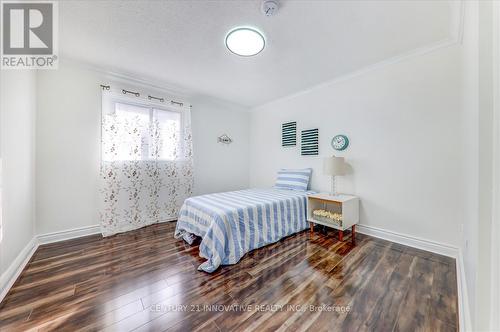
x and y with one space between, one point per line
333 192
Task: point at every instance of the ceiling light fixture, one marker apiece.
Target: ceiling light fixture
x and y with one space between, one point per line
245 41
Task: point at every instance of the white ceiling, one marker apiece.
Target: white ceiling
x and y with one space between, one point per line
308 42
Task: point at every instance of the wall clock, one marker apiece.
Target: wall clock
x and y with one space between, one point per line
340 142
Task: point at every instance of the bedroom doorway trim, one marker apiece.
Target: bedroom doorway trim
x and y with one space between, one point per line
495 229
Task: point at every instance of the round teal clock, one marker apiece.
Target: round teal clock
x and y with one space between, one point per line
340 142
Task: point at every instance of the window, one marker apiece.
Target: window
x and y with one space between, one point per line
146 169
140 132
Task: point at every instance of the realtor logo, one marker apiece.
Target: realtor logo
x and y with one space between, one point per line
29 35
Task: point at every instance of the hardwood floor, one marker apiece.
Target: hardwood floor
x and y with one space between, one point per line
139 280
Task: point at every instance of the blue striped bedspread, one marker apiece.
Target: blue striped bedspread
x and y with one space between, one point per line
233 223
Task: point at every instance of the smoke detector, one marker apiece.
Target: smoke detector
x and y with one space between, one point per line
269 7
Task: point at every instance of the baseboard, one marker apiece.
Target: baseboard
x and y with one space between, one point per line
463 298
438 248
409 240
68 234
9 277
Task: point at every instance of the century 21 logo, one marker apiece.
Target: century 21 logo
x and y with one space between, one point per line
27 28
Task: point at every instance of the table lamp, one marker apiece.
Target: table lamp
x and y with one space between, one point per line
334 166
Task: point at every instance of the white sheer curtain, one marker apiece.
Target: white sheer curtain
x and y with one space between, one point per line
147 162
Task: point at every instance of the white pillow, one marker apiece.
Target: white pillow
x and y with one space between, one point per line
293 179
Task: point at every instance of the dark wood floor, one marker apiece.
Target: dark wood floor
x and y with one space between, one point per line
134 281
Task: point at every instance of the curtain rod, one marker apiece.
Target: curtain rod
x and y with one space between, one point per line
137 94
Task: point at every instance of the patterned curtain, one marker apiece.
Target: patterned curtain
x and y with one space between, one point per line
147 164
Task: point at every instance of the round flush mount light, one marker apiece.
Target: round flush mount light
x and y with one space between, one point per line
245 41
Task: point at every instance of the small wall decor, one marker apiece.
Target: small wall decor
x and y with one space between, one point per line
309 139
289 134
224 139
340 142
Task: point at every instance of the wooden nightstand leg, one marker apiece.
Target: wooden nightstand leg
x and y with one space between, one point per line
353 234
341 235
311 225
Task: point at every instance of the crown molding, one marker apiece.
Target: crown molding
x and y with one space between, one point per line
457 10
456 38
172 91
146 82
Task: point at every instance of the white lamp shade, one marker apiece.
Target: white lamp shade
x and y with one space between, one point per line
334 166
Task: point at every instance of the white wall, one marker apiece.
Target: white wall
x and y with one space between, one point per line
68 141
403 121
18 105
219 167
67 154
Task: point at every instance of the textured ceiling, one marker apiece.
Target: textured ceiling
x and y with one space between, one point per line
308 42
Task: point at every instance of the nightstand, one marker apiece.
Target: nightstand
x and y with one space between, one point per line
339 212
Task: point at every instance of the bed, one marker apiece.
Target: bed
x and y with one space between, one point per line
231 224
